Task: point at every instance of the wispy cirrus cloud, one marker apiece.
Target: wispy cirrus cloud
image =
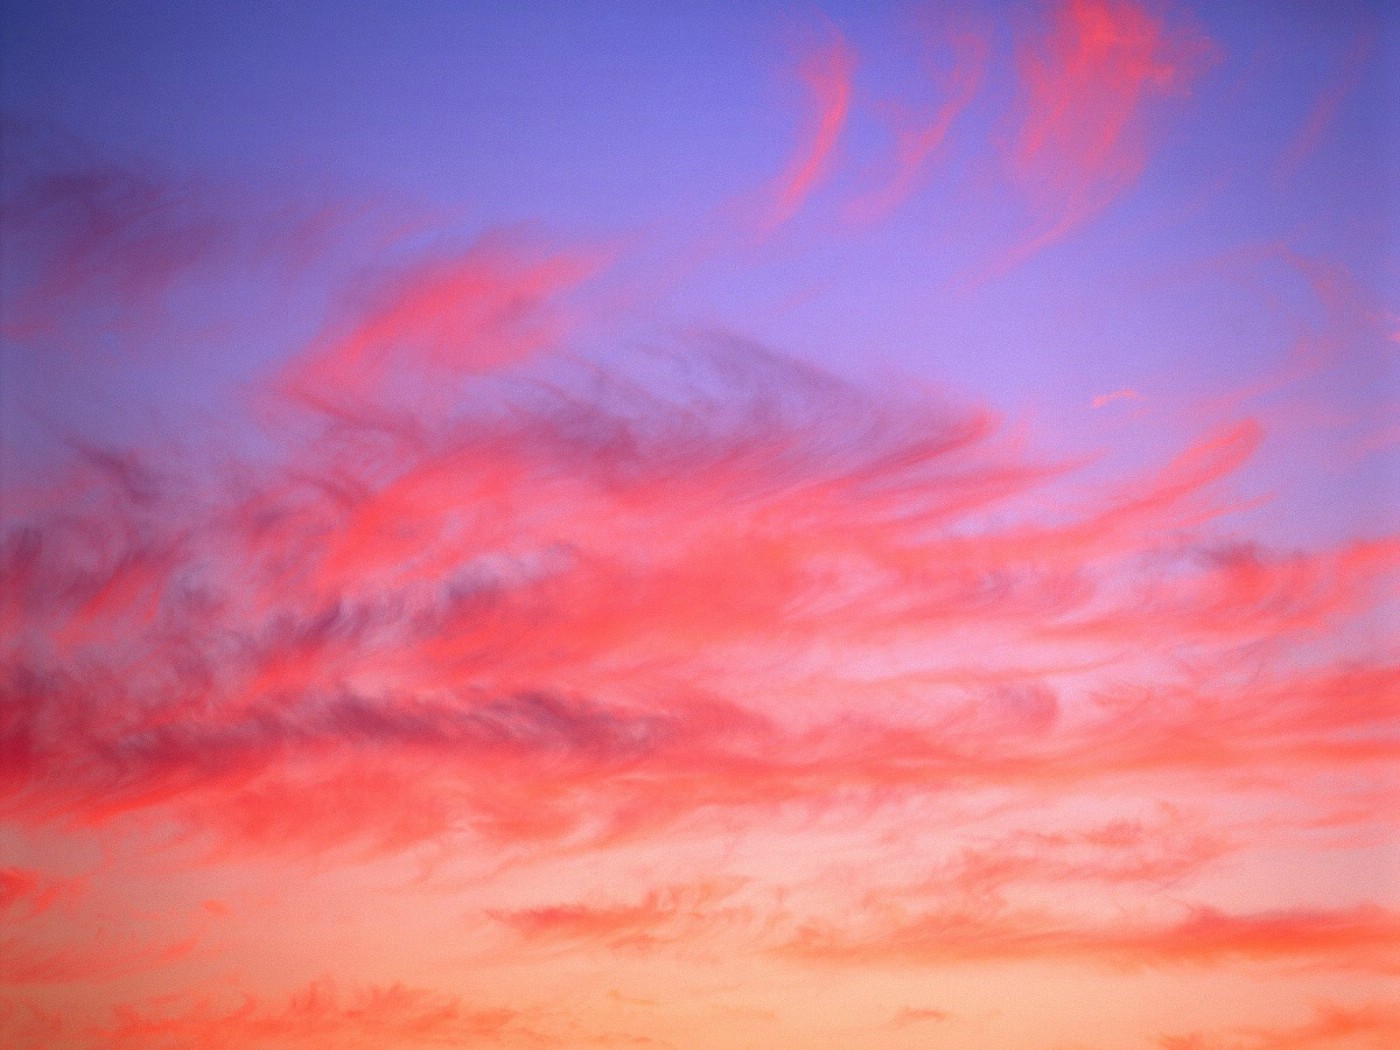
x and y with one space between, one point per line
26 893
1362 939
1093 76
826 73
396 1015
1333 1025
919 137
1350 66
528 584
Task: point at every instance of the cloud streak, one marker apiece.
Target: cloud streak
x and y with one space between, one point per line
397 1016
1092 78
826 75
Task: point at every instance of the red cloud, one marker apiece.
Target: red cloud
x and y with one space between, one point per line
29 893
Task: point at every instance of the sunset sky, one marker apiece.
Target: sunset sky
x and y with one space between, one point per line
713 526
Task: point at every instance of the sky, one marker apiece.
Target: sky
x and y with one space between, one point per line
704 526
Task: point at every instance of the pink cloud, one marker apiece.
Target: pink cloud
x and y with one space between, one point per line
918 141
1117 395
474 312
1329 100
826 75
1093 79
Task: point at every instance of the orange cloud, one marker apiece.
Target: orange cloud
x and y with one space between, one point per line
320 1015
1363 939
916 1015
56 933
1120 853
1372 1026
103 956
26 1025
674 915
